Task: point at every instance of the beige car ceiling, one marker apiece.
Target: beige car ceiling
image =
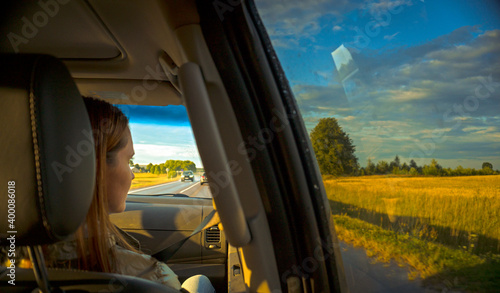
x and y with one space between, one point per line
112 48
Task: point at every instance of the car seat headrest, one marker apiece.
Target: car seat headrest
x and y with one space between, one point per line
47 151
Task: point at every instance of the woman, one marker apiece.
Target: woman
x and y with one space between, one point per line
110 251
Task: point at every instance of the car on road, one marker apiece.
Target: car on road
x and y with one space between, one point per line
203 179
187 175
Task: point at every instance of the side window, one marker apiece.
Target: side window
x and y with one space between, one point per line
402 103
166 160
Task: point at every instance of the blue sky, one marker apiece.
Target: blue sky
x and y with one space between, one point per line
423 79
160 134
418 73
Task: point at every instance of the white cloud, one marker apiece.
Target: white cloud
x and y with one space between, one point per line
407 95
326 75
158 143
293 19
156 154
285 43
390 37
479 130
375 7
348 118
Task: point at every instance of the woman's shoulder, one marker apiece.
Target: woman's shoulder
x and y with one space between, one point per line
144 266
127 262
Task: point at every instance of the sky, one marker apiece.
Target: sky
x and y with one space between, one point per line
160 134
415 78
418 79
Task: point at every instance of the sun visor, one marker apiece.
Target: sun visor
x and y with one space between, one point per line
130 91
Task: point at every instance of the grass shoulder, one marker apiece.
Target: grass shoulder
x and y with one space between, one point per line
437 264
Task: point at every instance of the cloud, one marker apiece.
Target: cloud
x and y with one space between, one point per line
407 95
484 45
437 78
348 118
156 154
154 143
390 37
326 75
285 20
376 7
479 130
425 94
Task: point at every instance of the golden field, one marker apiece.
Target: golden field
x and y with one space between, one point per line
447 229
460 207
148 179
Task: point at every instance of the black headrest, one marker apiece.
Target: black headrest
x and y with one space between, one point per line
47 156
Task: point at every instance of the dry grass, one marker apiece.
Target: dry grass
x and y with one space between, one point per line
148 179
469 204
446 228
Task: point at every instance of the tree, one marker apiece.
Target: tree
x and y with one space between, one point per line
414 165
370 167
395 164
487 165
177 165
382 167
333 148
163 169
131 163
433 169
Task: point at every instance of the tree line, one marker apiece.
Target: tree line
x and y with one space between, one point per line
335 155
433 169
173 166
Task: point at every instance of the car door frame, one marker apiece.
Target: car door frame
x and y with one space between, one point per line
290 185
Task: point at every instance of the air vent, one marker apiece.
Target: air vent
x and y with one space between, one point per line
212 235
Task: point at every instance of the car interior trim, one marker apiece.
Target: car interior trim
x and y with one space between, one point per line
228 204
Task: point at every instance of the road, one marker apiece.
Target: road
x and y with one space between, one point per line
191 189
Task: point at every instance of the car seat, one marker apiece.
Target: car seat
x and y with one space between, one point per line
47 175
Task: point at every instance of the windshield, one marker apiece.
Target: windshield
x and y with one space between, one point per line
402 103
165 152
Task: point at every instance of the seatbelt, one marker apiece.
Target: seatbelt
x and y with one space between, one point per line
210 220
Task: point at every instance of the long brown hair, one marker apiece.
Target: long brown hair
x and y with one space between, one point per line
95 250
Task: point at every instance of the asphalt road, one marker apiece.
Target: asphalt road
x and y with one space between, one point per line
191 189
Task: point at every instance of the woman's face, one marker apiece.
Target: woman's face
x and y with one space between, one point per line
119 177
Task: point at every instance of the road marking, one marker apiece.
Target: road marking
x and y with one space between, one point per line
146 188
182 191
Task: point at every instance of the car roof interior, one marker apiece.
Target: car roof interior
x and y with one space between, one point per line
113 52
